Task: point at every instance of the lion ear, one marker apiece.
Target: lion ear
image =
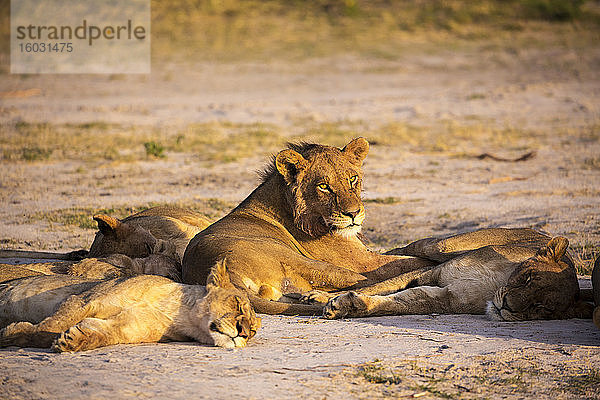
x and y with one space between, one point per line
219 276
357 150
107 224
289 163
555 249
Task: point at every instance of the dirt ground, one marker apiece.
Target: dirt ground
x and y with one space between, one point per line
542 100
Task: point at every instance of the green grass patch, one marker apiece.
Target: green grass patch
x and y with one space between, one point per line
375 372
154 149
35 153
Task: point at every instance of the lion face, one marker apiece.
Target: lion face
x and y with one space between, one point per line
232 321
542 287
324 185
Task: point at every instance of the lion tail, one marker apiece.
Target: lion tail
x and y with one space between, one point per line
264 306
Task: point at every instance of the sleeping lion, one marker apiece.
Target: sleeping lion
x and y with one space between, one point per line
508 282
110 267
70 313
156 230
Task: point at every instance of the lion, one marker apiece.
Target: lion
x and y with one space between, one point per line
110 267
70 313
509 281
157 230
297 232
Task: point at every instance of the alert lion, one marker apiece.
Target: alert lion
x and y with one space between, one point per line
296 232
507 281
72 314
162 230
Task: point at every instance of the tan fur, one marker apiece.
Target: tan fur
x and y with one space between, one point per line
538 284
158 230
111 267
297 232
9 272
441 250
72 313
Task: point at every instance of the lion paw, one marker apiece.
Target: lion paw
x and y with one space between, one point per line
316 297
348 304
77 338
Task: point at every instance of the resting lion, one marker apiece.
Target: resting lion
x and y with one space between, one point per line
297 232
110 267
159 229
508 282
72 314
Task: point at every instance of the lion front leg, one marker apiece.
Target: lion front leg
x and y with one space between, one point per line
87 335
421 277
419 300
26 334
130 326
425 276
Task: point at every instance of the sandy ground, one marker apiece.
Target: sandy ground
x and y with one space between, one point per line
553 90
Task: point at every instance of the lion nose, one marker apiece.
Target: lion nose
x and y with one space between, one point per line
243 328
352 214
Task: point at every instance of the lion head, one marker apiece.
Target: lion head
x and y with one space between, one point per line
232 321
542 287
324 185
120 237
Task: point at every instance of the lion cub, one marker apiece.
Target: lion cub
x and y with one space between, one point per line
72 314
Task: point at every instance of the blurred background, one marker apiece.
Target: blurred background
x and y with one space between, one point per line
233 30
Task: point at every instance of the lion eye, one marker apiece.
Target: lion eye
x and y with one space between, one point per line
324 187
353 180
